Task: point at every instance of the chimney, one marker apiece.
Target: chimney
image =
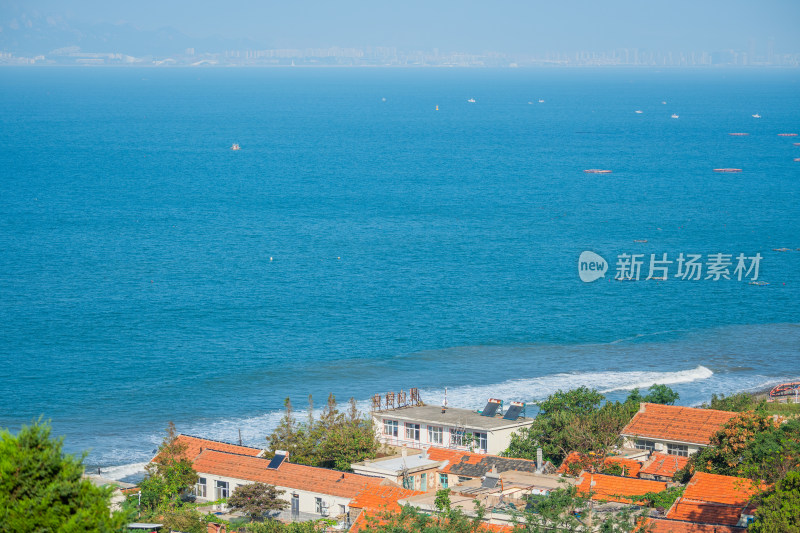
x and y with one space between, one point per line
404 451
539 459
494 469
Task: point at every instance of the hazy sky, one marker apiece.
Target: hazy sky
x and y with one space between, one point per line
467 25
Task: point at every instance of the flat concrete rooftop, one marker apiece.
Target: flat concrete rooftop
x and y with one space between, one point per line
451 417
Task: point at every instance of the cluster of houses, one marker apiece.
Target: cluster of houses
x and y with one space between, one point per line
458 449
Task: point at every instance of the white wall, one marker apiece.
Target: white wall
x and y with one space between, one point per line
307 499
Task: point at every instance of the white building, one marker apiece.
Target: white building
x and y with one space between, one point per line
459 429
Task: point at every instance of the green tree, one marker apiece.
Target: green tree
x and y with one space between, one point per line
336 440
42 489
574 420
256 499
169 475
661 394
752 445
738 402
779 511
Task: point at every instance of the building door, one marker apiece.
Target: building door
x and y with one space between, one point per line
295 505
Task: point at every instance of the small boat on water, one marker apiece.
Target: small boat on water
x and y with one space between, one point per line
759 283
787 135
597 171
727 170
541 100
781 249
796 159
674 115
639 240
796 144
738 134
638 111
235 147
471 100
664 103
756 115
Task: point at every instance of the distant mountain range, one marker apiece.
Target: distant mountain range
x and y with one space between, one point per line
31 34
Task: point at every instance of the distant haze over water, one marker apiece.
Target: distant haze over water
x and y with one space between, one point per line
363 241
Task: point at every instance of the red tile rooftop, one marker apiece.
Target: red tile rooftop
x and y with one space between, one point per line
705 512
194 445
661 464
676 423
616 488
721 489
379 498
659 525
630 467
289 475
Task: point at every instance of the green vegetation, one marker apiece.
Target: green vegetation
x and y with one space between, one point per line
738 402
42 489
256 499
578 420
660 500
751 445
336 440
169 476
779 511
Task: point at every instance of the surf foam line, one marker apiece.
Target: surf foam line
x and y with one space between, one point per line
538 388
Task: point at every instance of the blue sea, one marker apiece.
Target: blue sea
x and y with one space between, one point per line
377 231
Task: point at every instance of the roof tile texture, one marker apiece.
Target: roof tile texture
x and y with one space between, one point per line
194 445
721 489
630 467
616 488
661 464
382 497
676 423
289 475
659 525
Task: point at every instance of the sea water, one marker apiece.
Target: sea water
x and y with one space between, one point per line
362 241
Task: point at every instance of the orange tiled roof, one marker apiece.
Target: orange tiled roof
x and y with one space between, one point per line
454 457
361 522
660 525
630 467
382 498
721 489
675 423
289 475
705 512
194 445
661 464
616 488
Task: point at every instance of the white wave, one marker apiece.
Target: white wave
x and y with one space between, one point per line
533 389
122 471
643 380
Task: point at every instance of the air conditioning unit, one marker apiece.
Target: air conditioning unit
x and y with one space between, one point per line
325 511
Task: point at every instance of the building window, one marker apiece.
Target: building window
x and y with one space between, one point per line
456 437
412 431
222 489
443 480
678 449
390 428
648 445
342 509
408 482
480 441
318 505
423 482
434 435
200 488
464 479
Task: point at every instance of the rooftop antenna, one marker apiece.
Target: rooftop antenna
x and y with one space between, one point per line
240 436
444 402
